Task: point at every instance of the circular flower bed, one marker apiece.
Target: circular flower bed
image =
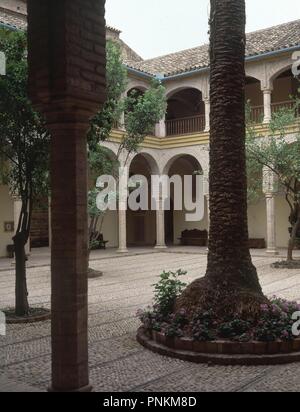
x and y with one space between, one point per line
273 330
285 264
34 315
274 323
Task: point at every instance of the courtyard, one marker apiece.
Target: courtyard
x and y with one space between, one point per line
117 362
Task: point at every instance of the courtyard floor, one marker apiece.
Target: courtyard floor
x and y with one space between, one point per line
117 361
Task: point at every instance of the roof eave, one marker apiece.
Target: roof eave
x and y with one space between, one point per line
206 69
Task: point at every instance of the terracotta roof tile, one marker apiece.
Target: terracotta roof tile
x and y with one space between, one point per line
259 42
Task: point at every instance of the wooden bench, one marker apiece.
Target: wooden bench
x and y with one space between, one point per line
10 251
100 243
194 237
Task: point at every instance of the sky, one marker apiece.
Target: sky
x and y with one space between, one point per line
156 27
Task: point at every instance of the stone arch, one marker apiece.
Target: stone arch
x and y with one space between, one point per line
172 157
151 160
139 85
185 111
141 224
182 164
183 86
278 70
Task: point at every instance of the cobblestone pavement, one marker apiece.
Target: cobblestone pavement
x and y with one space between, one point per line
117 361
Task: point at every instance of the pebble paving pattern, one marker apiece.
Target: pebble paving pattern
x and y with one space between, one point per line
117 362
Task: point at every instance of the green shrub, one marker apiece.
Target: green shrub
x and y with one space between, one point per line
167 290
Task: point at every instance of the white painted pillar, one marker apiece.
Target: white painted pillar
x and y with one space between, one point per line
122 232
122 121
271 224
207 115
160 226
267 105
122 117
160 129
123 191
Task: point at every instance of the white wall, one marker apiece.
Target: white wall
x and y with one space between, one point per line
6 215
180 224
282 212
110 228
257 219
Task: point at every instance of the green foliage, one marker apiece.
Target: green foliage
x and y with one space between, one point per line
116 78
142 112
279 155
167 290
102 162
276 152
24 141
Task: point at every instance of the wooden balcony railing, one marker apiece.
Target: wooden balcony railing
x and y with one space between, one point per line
282 105
196 124
185 125
257 114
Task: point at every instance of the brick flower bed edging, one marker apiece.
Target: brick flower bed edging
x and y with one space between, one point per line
221 352
29 319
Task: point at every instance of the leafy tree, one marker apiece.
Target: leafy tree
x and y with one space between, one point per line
24 145
231 284
280 156
142 112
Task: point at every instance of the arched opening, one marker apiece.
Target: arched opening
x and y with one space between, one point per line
285 88
141 224
185 112
254 97
175 220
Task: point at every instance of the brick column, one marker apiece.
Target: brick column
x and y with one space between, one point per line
66 41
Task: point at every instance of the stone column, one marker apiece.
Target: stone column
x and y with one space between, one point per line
160 225
160 129
271 224
270 188
66 56
122 118
123 191
207 115
267 105
122 231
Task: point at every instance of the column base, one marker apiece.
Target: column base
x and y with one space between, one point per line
272 252
161 247
122 250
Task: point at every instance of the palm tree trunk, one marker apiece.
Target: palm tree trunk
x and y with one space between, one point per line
231 281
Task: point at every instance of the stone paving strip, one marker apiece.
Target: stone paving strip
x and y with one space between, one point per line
117 361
